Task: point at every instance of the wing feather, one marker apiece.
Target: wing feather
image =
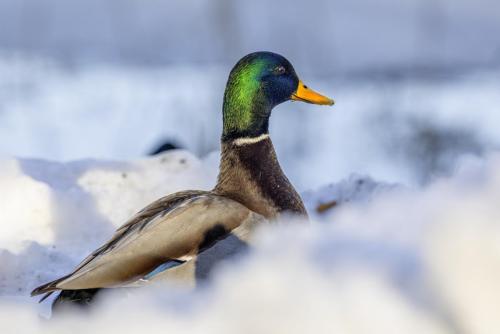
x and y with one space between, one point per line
174 227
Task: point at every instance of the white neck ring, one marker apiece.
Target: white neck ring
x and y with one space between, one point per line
250 140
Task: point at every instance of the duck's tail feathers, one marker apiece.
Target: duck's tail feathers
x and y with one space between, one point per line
47 288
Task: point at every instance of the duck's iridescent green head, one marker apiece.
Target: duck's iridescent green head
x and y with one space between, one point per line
257 83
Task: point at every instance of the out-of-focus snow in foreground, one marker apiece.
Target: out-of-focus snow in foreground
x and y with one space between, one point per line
378 258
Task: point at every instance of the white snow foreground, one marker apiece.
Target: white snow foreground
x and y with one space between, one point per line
378 258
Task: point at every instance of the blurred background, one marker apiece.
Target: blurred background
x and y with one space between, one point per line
416 82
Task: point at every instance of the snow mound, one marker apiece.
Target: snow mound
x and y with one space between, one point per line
52 214
385 259
322 202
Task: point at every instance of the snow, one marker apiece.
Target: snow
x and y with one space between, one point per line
61 211
319 34
405 129
386 258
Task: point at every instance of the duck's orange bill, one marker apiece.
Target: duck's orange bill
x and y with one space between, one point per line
304 94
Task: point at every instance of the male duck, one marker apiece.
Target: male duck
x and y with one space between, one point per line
251 187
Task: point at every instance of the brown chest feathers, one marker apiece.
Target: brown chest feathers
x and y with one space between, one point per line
250 174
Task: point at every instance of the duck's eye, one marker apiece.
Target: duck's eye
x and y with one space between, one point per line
279 70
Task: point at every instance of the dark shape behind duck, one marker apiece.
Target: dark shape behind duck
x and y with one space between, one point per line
164 146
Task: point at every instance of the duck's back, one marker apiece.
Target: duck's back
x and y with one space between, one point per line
174 228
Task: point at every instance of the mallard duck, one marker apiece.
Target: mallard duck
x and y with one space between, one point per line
251 188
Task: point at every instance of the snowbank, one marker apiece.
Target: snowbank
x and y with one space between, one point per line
398 129
383 259
56 212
